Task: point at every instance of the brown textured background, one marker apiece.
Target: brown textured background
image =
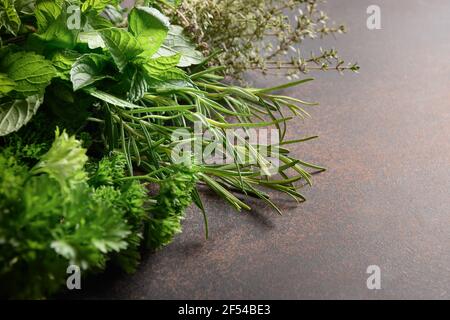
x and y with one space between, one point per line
385 137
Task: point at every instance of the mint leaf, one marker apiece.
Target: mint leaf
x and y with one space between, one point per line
15 114
175 3
97 5
9 18
122 46
157 66
31 72
92 38
150 27
162 72
57 33
164 68
47 11
138 86
63 62
97 22
6 84
25 6
177 42
115 14
87 70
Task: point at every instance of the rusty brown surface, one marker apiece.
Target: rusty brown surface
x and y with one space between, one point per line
385 137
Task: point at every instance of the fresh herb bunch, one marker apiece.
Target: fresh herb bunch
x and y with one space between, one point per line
263 35
136 85
124 86
53 214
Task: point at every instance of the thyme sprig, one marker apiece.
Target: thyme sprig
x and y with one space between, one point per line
264 35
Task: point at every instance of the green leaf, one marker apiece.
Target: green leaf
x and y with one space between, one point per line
6 84
177 42
150 27
174 3
138 86
64 161
162 71
92 38
115 14
15 114
158 66
98 22
106 246
25 6
9 18
97 5
108 98
47 11
64 249
57 34
122 46
87 70
31 72
63 62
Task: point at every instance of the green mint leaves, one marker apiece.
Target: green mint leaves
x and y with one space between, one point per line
122 46
97 5
32 73
6 84
150 27
26 75
46 12
14 114
87 70
177 42
9 17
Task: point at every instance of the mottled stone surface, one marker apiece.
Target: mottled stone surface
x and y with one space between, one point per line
385 137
